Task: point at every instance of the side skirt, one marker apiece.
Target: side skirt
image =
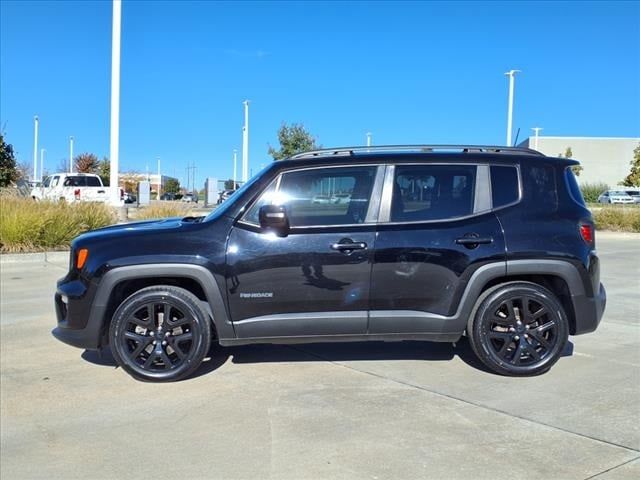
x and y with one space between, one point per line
387 337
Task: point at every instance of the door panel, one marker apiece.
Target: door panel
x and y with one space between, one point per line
285 285
425 251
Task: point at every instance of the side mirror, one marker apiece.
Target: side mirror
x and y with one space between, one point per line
274 217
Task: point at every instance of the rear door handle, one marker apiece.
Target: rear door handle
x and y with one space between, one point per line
473 240
342 247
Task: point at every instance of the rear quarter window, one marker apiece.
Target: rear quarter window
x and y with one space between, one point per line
573 187
505 186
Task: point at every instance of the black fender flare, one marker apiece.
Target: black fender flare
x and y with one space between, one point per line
214 305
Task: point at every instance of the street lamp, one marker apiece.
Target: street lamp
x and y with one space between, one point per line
35 148
536 133
115 102
368 139
235 168
512 76
245 143
71 154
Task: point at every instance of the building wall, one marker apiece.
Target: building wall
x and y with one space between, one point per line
603 159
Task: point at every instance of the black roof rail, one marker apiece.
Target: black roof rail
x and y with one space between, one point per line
494 149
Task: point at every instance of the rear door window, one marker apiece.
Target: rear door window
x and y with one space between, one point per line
432 192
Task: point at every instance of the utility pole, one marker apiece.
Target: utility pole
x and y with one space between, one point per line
235 168
537 133
512 76
159 179
71 154
245 143
42 150
36 122
114 139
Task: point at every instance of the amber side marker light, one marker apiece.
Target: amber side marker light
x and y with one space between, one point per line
81 259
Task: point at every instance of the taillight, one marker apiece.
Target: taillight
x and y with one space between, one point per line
586 231
76 193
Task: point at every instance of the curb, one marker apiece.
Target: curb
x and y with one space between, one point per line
34 257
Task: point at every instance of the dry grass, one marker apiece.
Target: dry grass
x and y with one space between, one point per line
617 218
161 210
30 226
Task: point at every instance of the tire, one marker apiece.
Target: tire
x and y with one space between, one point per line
151 348
518 329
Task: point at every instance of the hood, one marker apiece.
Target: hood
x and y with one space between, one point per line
127 229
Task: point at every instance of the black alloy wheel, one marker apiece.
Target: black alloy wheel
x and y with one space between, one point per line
518 328
160 333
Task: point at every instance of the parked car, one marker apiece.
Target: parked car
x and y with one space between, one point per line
169 197
321 199
341 198
502 250
224 195
73 187
634 193
190 198
130 197
615 196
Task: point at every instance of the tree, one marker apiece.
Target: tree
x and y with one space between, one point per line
104 170
293 139
8 171
576 169
172 186
24 170
633 179
86 163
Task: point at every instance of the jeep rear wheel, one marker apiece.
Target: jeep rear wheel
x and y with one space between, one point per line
518 328
160 334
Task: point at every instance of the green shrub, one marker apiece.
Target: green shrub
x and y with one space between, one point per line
591 191
618 218
27 225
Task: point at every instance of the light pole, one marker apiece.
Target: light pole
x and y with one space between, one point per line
245 142
115 102
537 134
512 76
35 148
39 178
368 139
235 169
71 154
159 179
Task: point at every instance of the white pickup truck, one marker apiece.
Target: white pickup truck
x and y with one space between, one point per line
72 187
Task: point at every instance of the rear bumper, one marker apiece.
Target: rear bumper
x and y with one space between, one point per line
589 311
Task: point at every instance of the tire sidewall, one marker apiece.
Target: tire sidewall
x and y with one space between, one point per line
500 295
188 308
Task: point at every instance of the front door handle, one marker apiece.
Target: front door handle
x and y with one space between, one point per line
346 247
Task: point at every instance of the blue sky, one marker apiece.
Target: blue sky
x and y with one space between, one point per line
419 72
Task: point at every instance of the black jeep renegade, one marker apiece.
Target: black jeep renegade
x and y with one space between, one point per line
369 243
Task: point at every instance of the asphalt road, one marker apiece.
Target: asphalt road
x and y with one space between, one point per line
375 411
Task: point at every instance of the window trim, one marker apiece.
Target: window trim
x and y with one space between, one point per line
373 210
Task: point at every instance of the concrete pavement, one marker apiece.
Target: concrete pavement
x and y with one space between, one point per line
397 410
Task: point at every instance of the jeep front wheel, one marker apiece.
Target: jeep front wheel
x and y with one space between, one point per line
160 334
518 328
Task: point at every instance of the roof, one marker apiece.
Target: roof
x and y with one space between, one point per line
416 149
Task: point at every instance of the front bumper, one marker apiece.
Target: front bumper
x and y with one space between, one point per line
589 311
73 313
